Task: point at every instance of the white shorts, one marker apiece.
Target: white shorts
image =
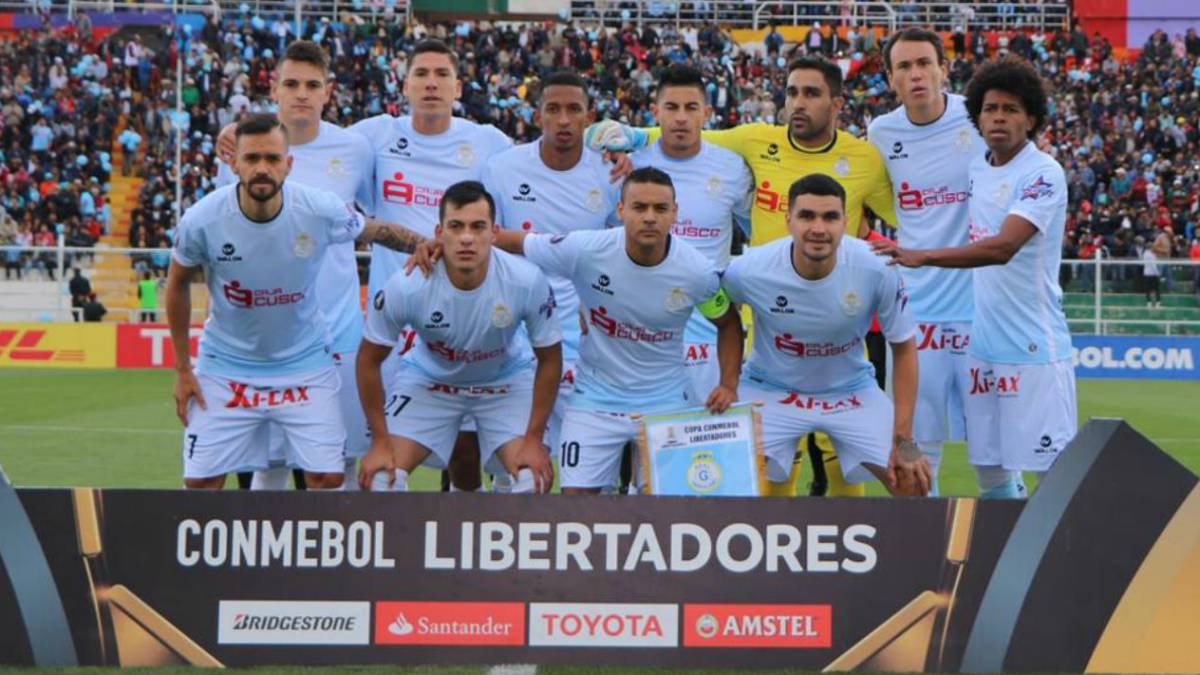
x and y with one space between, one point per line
703 369
944 380
1020 417
565 386
589 452
432 414
231 434
358 440
858 423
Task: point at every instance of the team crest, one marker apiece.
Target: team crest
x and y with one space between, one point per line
593 200
851 303
465 155
304 246
501 317
962 142
677 300
713 187
703 474
842 166
336 168
1002 191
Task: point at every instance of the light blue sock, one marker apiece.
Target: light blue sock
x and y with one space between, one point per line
933 454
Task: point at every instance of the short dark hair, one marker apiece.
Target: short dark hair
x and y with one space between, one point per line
1011 75
680 76
648 174
564 78
432 46
830 71
257 124
307 51
913 34
818 184
463 193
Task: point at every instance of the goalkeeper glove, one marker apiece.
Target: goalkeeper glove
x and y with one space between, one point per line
612 136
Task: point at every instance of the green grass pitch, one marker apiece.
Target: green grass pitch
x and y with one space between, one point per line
118 428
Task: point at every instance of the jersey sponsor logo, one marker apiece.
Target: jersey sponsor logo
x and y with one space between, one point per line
947 338
290 622
615 328
1038 189
378 301
824 405
977 232
548 305
898 151
437 320
986 381
1046 446
399 191
473 390
524 194
449 623
788 345
267 397
400 148
229 253
684 228
456 355
556 239
405 341
769 200
603 625
784 626
602 285
781 306
249 298
697 352
916 199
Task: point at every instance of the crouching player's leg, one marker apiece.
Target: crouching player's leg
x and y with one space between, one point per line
512 424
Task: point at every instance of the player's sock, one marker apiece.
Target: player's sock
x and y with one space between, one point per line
997 483
933 454
350 476
380 482
524 484
502 483
271 479
783 489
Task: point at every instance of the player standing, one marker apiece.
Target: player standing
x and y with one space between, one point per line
554 186
1020 407
471 361
813 296
265 353
714 190
928 144
637 286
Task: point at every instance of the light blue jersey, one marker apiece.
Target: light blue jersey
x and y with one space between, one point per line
341 162
532 197
713 190
929 166
468 337
1018 305
808 335
264 318
631 359
410 172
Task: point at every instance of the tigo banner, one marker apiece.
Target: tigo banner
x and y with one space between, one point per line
57 345
148 345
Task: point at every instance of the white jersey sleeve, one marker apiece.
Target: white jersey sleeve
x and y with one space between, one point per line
1041 196
343 222
541 320
556 254
191 246
894 320
225 175
388 313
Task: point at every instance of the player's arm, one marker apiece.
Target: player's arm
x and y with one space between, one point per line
179 319
730 339
997 250
370 393
906 455
545 389
389 235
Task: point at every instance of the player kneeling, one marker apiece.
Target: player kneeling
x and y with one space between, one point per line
813 296
472 360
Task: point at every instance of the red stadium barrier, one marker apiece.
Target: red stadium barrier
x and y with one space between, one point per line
148 345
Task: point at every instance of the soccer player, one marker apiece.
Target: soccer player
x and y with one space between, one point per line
265 354
1020 406
471 359
928 144
637 286
809 143
813 296
554 186
714 191
328 157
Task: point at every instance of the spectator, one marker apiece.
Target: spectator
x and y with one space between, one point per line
1150 277
80 289
148 298
92 309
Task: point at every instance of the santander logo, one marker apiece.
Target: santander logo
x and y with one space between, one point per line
449 623
400 626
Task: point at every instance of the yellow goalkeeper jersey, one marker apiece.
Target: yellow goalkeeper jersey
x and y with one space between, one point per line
777 162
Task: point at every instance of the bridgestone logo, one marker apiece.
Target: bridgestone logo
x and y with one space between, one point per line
285 622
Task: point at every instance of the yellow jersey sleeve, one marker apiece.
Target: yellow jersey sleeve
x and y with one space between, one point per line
879 192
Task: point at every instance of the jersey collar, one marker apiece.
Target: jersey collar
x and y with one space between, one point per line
826 148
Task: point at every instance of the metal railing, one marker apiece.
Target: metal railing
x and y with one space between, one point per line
297 9
1125 278
1038 14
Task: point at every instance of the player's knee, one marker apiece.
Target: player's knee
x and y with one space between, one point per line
324 481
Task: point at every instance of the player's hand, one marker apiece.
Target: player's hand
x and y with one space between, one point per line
613 136
187 387
720 399
899 256
908 471
622 165
534 456
227 143
378 458
424 256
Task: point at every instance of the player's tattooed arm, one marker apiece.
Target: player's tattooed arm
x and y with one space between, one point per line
908 471
390 235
